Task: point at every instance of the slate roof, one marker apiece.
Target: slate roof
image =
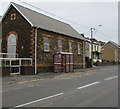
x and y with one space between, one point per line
113 43
45 22
118 46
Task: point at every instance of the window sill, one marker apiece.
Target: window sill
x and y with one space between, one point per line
46 51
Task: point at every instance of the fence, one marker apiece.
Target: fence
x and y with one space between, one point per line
11 64
8 55
14 64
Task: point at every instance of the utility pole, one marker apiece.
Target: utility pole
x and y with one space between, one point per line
92 30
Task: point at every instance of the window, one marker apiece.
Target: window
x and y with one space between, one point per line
98 47
79 49
70 47
13 16
95 47
60 45
11 46
46 44
92 47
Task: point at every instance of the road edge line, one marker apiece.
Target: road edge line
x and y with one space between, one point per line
25 104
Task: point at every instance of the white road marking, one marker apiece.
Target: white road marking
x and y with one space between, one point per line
31 85
86 74
38 100
88 85
17 88
112 77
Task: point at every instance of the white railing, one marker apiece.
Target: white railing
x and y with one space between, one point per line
14 62
8 55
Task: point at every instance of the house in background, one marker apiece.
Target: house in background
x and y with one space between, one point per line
96 46
111 52
96 50
88 48
102 43
31 34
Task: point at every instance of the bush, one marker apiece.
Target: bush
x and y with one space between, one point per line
96 63
88 62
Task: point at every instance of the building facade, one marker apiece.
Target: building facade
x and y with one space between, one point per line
111 52
33 35
96 50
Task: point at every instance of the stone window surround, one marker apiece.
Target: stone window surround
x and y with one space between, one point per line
13 16
46 44
59 45
79 48
70 47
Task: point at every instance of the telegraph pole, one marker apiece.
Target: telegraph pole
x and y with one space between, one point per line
92 29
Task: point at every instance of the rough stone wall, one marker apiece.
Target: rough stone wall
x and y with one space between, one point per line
26 42
45 59
22 29
24 33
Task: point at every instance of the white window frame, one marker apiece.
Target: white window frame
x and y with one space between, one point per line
79 49
46 45
60 45
70 47
13 16
12 43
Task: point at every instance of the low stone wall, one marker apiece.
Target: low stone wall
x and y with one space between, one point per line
45 69
78 66
88 62
107 63
5 71
51 68
27 70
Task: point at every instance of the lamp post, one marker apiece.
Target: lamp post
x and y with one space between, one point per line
92 30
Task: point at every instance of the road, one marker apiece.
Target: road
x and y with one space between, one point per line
95 88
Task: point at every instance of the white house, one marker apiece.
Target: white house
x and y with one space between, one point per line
96 50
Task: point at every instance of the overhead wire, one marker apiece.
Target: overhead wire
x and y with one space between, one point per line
104 34
55 15
67 20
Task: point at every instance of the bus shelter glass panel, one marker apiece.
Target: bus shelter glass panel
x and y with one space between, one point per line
63 62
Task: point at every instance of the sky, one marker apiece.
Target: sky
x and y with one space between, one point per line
80 15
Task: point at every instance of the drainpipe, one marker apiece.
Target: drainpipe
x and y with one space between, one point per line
35 50
84 54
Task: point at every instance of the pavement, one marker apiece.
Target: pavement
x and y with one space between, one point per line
19 78
96 87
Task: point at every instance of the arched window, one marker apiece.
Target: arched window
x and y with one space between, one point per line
11 46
